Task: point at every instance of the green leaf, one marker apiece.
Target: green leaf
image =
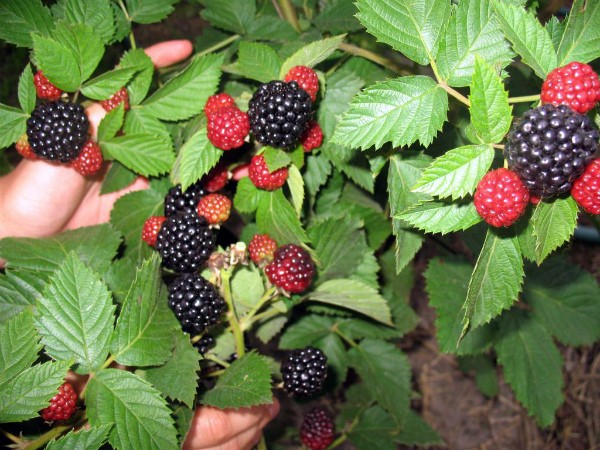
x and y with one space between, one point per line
26 90
30 391
418 432
140 415
145 154
183 420
258 62
581 38
386 373
528 37
139 85
276 217
18 290
485 373
184 95
21 18
532 365
354 165
472 31
496 280
490 111
143 335
306 331
195 158
20 345
341 88
233 15
111 123
98 15
401 111
556 29
447 282
128 215
75 316
456 173
554 223
247 382
149 11
337 17
412 27
95 246
90 439
564 299
105 85
353 295
275 158
247 196
12 125
271 28
178 378
57 61
443 217
312 54
247 289
139 121
296 184
375 429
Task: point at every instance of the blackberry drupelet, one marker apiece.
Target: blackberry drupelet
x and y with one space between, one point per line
549 147
185 242
279 113
304 372
177 201
195 302
57 131
205 343
317 430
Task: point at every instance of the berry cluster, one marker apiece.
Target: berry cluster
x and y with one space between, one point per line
121 96
262 249
292 268
62 405
227 126
501 197
304 372
575 85
317 429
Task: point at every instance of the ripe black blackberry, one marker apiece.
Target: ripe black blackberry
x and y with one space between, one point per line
185 242
195 302
279 113
205 343
304 371
177 201
549 147
57 131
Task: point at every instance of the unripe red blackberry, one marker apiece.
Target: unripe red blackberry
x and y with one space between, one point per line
262 178
586 188
218 101
185 242
501 197
317 430
304 372
23 148
217 178
312 137
90 160
44 88
195 302
291 269
279 113
57 131
549 147
262 249
62 405
575 85
215 208
151 228
121 96
306 78
227 128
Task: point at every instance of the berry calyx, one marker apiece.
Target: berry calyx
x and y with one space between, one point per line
279 113
586 188
575 85
151 228
57 131
218 101
44 88
23 147
312 137
501 197
90 160
215 208
259 174
304 372
217 178
121 96
291 269
317 430
262 249
227 128
62 405
306 78
549 147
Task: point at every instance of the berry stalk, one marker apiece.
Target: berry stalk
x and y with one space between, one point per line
267 297
524 99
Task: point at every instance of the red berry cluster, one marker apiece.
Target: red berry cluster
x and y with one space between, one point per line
217 178
586 189
24 149
262 249
317 430
215 208
292 268
151 228
90 160
227 126
501 197
312 137
121 96
575 85
62 405
262 178
44 88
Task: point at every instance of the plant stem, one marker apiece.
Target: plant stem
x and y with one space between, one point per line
47 437
220 362
219 45
524 99
374 57
264 315
498 146
289 13
338 441
349 341
108 362
12 437
131 36
452 92
267 296
238 335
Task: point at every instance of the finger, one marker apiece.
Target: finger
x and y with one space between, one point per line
169 52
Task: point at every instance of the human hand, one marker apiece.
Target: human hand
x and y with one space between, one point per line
41 199
230 429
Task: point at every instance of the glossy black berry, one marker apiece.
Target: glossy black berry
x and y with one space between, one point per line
279 113
57 131
195 302
205 343
549 147
185 242
304 372
177 201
